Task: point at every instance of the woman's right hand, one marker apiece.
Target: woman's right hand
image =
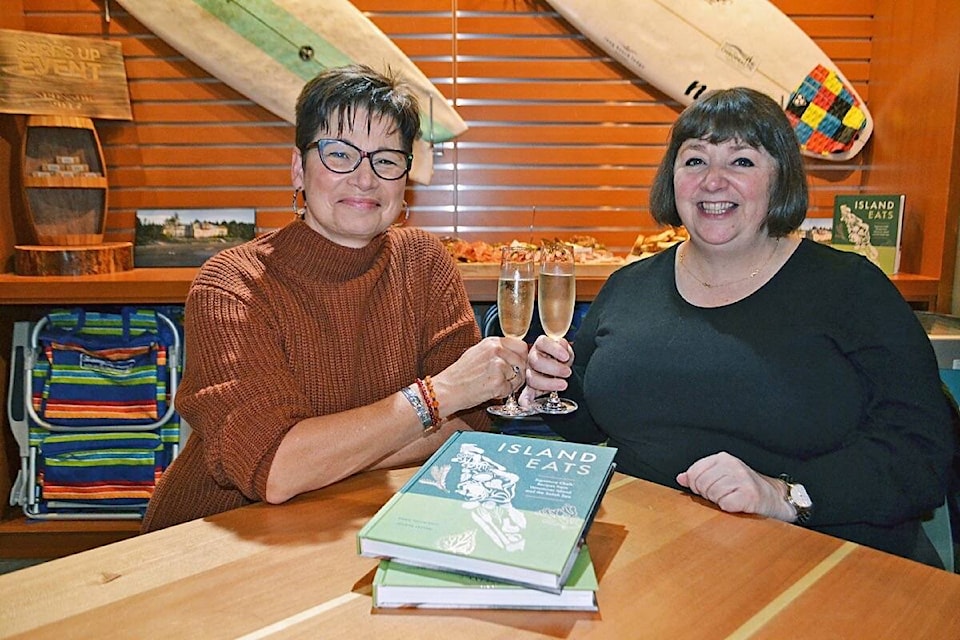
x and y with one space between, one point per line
491 369
733 486
549 363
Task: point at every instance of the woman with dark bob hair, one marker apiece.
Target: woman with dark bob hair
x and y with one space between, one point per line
744 115
766 373
338 343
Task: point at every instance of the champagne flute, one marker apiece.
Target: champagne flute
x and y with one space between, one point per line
556 299
515 294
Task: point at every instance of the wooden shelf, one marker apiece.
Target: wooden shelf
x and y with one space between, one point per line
917 288
64 182
170 285
137 286
21 537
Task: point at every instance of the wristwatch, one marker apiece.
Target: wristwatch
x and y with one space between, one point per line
798 498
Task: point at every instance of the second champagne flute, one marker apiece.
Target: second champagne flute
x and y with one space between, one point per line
516 290
556 298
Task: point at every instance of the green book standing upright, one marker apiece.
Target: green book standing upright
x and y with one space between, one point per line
507 508
870 225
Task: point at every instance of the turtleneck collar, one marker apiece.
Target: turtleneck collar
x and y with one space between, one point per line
316 257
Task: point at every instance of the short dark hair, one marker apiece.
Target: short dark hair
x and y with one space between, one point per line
750 117
329 102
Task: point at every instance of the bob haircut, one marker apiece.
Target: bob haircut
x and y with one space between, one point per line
328 104
750 117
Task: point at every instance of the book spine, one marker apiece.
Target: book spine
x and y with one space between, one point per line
587 522
896 260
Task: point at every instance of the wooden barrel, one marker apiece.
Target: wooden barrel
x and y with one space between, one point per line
64 180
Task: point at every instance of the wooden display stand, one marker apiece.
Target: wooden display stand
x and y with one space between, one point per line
65 196
88 260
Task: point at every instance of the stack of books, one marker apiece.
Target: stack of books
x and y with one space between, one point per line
491 521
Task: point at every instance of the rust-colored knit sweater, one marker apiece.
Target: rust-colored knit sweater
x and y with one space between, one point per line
290 326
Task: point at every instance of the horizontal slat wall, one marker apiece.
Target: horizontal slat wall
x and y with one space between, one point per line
561 138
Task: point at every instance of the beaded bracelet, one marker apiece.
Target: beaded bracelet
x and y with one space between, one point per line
426 419
425 392
432 403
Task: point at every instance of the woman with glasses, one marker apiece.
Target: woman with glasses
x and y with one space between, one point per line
336 344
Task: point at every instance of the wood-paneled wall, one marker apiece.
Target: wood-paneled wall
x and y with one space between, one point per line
916 143
561 138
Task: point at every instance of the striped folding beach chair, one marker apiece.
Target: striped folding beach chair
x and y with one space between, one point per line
95 420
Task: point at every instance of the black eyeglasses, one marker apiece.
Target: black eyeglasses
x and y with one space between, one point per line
340 156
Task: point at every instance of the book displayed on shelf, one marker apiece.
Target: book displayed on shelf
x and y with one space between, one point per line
870 225
397 586
509 508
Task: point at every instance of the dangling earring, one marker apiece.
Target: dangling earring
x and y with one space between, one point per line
406 215
297 211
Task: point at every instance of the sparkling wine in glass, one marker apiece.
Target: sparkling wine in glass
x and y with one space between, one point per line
556 298
516 291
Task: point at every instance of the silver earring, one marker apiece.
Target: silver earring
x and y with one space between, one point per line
297 211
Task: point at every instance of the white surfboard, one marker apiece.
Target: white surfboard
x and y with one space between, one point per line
686 47
268 49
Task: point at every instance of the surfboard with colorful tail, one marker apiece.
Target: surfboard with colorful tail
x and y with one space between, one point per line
267 49
687 47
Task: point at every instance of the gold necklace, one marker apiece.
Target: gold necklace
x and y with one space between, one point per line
753 274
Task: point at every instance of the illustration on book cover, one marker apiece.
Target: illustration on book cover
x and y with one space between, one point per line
488 490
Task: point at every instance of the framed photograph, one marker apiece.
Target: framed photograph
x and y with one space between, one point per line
187 237
817 229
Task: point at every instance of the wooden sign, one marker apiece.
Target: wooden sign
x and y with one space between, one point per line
46 74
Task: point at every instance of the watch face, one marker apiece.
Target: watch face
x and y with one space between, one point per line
800 497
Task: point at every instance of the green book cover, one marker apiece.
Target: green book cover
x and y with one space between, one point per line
870 225
397 585
509 508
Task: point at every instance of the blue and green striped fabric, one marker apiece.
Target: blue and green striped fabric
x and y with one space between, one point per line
108 466
102 369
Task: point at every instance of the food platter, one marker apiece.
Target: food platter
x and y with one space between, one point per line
591 256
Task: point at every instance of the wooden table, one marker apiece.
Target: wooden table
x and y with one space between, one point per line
670 566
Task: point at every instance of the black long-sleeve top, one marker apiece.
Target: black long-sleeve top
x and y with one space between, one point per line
824 374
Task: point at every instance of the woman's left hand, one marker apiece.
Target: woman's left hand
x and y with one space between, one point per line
548 367
736 488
